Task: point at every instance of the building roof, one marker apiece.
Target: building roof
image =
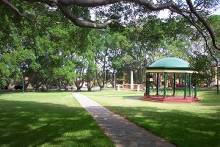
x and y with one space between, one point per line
170 64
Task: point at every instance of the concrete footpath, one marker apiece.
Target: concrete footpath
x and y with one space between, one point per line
122 132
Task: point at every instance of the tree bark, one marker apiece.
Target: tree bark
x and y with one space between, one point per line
89 85
79 84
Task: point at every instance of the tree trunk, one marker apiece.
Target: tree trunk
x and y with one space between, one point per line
78 88
79 84
104 69
114 79
217 79
89 86
100 79
101 86
66 86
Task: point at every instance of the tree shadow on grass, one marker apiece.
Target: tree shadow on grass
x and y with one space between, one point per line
34 124
182 128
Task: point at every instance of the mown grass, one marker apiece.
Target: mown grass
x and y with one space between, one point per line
186 125
47 119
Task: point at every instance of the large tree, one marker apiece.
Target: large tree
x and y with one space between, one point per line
42 50
193 11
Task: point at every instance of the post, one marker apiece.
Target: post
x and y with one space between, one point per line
132 80
23 85
217 79
138 87
157 93
189 86
147 90
23 81
164 88
124 78
195 91
185 83
114 82
174 84
118 87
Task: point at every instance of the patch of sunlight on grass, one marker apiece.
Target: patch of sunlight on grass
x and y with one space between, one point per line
194 124
209 133
47 119
79 134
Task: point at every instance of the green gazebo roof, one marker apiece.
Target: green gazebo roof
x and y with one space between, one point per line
170 62
170 65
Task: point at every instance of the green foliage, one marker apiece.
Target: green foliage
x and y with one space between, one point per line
201 64
41 49
50 51
215 21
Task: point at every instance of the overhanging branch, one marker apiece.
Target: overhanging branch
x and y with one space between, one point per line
83 22
87 3
63 4
12 7
204 22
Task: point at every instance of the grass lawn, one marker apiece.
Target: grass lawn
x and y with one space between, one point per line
47 119
186 125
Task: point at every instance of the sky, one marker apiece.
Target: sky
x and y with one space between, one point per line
217 12
165 13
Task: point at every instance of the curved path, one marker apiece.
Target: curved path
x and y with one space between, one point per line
122 132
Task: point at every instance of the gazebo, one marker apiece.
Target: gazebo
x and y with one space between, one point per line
166 72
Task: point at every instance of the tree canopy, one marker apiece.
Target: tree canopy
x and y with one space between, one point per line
39 43
194 12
